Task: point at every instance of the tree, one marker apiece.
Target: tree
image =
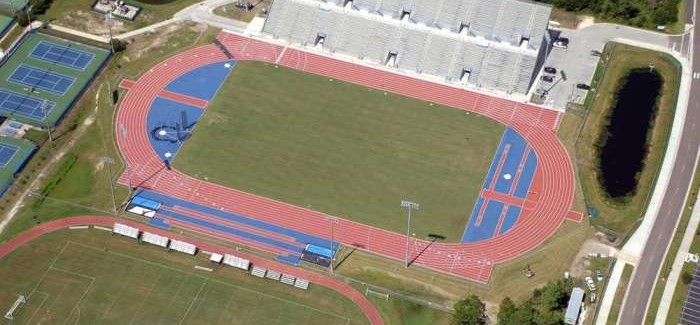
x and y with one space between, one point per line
506 311
524 315
686 277
469 311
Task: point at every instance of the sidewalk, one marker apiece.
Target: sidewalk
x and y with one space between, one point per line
678 262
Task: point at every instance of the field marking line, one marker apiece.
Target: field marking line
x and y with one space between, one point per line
47 270
192 302
201 299
111 252
85 292
228 305
177 293
251 311
144 297
46 297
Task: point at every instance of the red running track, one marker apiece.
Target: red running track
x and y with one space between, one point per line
548 202
331 283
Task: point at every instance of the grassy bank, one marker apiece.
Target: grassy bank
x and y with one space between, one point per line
620 294
78 14
618 60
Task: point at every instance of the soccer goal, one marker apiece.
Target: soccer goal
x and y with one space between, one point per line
375 293
10 314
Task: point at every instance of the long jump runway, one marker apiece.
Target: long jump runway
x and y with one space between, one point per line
546 205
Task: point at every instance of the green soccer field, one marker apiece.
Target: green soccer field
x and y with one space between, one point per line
93 277
21 55
342 149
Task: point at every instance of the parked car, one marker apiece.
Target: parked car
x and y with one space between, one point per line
596 53
562 43
550 70
547 78
599 275
590 283
583 86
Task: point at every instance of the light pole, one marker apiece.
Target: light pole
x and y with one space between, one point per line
332 221
410 206
123 133
44 107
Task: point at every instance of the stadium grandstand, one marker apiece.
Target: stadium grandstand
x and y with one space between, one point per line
497 45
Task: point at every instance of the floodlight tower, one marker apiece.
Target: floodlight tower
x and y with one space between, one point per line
410 206
45 111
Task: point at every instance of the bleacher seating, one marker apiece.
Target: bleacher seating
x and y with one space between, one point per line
430 42
287 279
258 271
274 275
301 284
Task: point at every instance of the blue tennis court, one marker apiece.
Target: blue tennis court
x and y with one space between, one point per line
7 153
41 79
62 55
25 105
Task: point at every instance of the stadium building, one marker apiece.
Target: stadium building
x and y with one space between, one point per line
496 45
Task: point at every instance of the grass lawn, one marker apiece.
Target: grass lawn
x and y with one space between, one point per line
231 11
620 294
621 217
78 14
508 280
342 149
93 277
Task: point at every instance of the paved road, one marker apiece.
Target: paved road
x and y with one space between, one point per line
640 289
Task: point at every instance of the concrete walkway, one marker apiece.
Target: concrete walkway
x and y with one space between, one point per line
678 262
609 295
78 33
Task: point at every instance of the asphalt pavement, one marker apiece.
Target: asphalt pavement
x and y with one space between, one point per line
641 285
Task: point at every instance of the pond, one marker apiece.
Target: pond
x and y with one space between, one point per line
623 144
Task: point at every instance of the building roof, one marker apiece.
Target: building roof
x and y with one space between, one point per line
574 308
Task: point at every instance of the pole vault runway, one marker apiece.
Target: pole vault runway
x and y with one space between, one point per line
227 213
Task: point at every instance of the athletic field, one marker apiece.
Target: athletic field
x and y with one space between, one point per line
342 149
93 277
43 76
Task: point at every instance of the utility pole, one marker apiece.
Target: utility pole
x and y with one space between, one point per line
123 134
332 221
410 206
44 107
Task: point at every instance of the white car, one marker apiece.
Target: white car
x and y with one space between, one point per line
590 283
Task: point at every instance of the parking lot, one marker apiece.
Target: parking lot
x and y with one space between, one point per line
575 64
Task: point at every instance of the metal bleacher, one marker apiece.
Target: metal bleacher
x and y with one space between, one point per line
507 32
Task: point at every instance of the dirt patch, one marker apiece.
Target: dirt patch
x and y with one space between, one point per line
585 21
590 247
142 46
90 21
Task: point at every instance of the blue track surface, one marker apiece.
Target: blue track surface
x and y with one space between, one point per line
518 166
62 55
24 105
41 79
7 153
165 112
301 238
203 82
159 223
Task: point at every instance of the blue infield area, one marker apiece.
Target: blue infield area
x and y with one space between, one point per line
295 246
62 55
511 173
165 125
202 82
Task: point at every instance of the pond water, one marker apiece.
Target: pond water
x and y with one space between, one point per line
624 142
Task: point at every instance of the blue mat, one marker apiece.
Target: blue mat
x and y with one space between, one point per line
203 82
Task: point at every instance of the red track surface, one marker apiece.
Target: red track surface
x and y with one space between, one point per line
547 204
334 284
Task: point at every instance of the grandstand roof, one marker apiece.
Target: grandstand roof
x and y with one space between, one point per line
444 38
